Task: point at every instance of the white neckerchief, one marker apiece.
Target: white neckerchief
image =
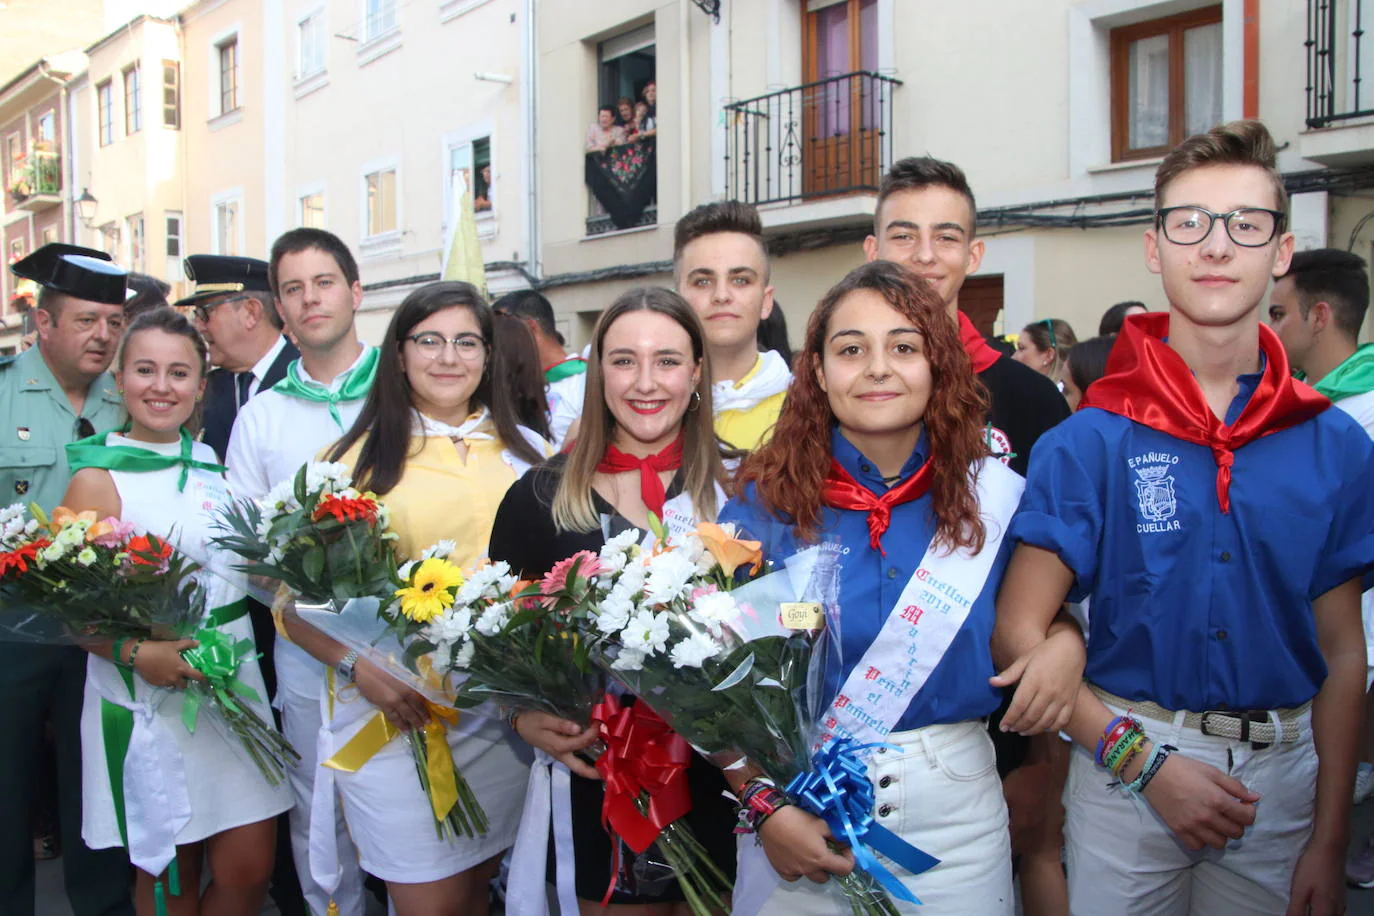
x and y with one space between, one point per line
770 378
468 429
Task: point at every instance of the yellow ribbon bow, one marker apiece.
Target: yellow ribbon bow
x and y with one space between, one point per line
378 732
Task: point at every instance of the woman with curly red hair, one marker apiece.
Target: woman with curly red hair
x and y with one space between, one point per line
879 455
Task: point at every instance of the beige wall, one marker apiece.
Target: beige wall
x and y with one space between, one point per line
404 109
33 29
224 152
137 173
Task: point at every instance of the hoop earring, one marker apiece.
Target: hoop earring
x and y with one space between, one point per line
695 403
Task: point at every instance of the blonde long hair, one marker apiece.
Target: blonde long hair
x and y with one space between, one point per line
573 507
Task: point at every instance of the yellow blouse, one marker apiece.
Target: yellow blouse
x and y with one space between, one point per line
440 496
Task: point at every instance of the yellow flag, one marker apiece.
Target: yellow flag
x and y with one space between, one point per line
463 254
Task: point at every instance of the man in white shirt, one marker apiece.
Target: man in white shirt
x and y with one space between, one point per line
315 280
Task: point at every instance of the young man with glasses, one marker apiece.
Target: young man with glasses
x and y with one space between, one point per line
234 312
315 280
51 395
1225 660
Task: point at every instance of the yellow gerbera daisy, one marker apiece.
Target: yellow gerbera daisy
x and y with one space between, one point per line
431 590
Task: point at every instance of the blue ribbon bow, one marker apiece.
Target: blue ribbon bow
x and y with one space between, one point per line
838 790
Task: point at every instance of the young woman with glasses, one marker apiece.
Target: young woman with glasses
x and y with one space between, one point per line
439 442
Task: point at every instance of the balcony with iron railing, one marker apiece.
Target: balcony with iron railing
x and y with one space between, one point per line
35 181
820 140
1340 61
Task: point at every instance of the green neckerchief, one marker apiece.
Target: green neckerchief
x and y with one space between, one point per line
92 452
356 384
1353 376
573 365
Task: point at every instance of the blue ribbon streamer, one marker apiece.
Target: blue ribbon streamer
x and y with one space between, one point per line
838 790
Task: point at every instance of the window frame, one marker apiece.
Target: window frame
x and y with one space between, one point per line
368 33
137 229
133 100
386 236
174 86
316 17
234 197
1120 39
174 240
104 112
48 117
228 45
304 194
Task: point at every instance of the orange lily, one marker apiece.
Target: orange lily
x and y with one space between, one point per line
731 553
62 517
99 530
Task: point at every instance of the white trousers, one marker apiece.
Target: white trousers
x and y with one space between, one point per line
939 792
300 681
1122 859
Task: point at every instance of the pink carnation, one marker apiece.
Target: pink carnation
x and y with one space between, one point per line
555 581
115 538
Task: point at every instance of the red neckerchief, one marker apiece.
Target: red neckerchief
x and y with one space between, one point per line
976 346
1149 383
842 491
650 487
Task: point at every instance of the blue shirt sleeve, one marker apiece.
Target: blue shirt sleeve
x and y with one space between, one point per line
1061 510
1349 549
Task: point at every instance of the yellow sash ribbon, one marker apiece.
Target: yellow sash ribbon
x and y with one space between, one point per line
378 732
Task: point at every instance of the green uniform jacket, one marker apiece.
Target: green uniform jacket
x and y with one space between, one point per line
37 422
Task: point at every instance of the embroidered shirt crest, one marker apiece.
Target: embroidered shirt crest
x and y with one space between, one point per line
1155 492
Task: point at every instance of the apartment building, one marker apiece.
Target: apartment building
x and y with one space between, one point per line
1058 110
358 116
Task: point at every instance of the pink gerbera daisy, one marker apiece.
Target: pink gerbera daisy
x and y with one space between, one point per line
582 565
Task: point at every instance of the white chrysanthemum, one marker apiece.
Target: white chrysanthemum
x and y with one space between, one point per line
86 557
714 609
493 619
54 552
280 499
11 522
692 651
628 660
614 613
631 578
616 552
32 527
480 584
670 576
73 535
406 569
464 656
450 626
383 515
646 632
507 581
331 474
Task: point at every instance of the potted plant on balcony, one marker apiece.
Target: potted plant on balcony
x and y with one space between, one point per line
21 180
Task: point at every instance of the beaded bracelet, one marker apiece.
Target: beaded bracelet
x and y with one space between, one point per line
1158 754
117 653
133 654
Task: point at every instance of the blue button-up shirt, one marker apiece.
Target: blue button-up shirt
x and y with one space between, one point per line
870 584
1192 608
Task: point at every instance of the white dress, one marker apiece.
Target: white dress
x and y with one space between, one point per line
178 785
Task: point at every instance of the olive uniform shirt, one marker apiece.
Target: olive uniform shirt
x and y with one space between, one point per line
37 422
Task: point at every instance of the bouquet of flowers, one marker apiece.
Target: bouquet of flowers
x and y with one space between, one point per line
737 669
316 534
78 578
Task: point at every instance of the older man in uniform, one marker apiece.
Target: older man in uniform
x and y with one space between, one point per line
52 394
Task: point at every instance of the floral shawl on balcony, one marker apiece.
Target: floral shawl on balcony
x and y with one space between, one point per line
624 179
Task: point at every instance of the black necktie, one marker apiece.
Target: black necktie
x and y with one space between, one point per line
243 381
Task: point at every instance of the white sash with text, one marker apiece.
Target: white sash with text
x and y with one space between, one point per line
928 615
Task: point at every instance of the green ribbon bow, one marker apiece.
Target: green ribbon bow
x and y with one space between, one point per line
1355 375
92 452
217 657
357 382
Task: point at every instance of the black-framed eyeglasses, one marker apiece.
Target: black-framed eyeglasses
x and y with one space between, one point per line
203 308
84 428
468 346
1248 227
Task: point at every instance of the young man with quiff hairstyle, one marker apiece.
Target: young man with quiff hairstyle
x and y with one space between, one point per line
1225 662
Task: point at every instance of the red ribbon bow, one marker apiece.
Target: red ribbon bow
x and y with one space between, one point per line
1149 383
644 760
841 491
650 487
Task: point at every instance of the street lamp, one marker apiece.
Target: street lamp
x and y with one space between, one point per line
85 207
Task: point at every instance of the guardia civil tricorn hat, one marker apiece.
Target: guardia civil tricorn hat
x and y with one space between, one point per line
82 273
217 274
